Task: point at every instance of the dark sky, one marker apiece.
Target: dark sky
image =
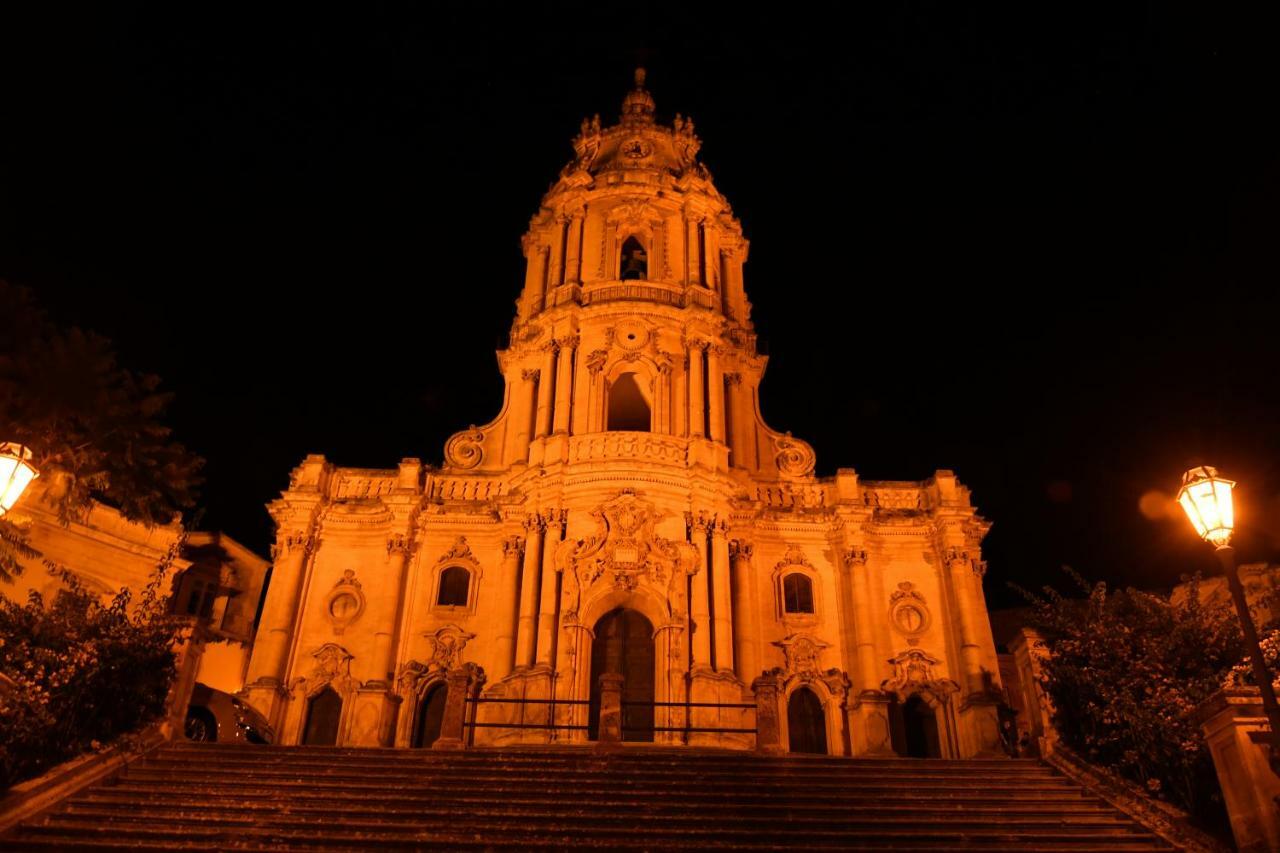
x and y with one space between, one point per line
1036 246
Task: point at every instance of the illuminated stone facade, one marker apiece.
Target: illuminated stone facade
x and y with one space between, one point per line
628 510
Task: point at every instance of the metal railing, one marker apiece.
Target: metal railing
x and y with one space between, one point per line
690 728
470 722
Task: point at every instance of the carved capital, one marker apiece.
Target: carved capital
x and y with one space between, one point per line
569 342
734 379
398 544
530 374
552 346
596 361
535 523
294 542
512 547
741 549
854 557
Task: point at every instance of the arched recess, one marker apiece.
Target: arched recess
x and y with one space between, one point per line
331 672
633 260
428 716
806 723
831 690
324 716
914 728
417 684
627 407
916 678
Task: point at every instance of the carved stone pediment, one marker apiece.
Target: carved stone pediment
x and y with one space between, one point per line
913 673
446 645
331 666
803 653
624 552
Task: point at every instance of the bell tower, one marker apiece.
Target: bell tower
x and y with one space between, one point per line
633 316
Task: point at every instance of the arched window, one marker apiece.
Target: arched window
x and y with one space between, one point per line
455 584
628 409
797 593
635 261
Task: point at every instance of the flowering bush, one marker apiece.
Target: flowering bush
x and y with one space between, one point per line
1126 671
79 672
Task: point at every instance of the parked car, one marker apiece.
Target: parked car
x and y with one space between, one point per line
216 716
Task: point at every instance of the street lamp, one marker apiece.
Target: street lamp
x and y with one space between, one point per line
16 473
1206 498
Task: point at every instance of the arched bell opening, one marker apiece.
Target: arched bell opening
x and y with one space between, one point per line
634 261
324 710
628 410
623 644
913 727
426 727
806 723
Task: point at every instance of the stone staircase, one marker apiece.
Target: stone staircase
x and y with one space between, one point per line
215 797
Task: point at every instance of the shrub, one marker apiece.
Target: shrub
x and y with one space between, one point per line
1126 671
81 672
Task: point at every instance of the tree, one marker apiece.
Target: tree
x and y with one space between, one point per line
1125 672
93 426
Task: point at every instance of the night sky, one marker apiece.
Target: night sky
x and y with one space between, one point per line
1037 247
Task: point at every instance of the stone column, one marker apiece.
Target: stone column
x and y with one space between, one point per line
970 654
697 417
504 642
564 382
580 404
1236 730
529 592
595 402
547 610
699 606
546 379
557 258
693 254
521 416
609 730
736 421
720 589
534 274
662 397
267 664
768 724
870 671
460 683
384 649
715 393
745 658
572 274
680 398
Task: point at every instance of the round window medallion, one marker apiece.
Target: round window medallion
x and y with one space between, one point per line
631 335
343 606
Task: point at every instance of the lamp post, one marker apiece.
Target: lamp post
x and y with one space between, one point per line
16 473
1206 499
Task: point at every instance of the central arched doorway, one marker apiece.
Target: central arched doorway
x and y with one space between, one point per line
624 644
806 724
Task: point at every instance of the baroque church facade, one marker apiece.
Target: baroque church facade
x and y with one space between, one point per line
629 511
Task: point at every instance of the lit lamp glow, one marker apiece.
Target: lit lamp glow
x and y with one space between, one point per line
16 473
1206 499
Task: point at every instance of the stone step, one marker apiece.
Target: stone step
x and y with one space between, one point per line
910 773
286 784
639 820
583 776
708 803
337 832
